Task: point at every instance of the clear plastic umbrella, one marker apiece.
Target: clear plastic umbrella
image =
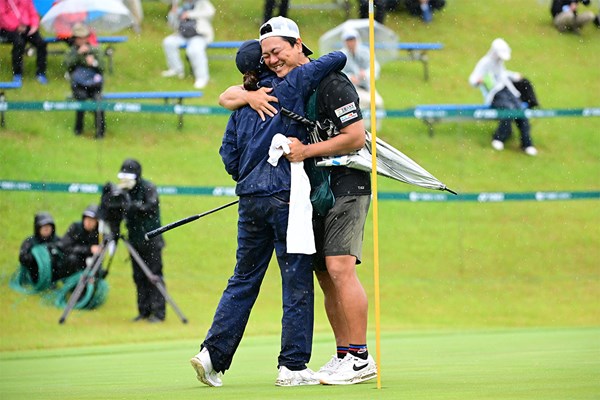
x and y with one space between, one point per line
386 40
103 16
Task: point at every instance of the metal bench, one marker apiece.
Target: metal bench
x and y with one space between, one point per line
109 49
432 113
418 52
108 41
3 86
166 96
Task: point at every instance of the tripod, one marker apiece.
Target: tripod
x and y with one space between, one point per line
109 243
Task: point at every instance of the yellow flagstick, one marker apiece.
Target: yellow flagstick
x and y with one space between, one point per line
374 189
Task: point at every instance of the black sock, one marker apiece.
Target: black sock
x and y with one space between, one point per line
359 350
342 351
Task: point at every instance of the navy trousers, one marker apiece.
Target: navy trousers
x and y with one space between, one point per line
262 226
504 99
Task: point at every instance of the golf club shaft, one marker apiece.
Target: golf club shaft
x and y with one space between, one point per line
184 221
297 117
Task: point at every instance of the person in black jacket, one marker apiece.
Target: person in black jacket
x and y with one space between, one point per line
44 234
142 216
81 241
566 17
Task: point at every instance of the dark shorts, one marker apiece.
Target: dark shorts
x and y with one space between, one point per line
341 232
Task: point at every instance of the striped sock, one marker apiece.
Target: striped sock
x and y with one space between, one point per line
359 350
342 351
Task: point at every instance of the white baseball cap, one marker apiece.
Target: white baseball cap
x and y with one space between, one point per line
283 27
350 33
501 48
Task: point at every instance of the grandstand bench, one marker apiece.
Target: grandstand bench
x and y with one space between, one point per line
234 45
109 50
432 113
418 52
108 41
166 96
3 86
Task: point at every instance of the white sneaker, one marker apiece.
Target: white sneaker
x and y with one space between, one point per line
329 368
204 369
352 370
171 73
200 83
531 151
296 378
497 145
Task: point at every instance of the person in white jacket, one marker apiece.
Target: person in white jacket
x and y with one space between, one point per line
195 38
496 83
358 69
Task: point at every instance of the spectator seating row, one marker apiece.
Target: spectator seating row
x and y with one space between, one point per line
107 41
434 113
416 51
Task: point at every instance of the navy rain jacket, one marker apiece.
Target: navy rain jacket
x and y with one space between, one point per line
246 142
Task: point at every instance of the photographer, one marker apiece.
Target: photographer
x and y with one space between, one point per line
85 67
141 216
81 241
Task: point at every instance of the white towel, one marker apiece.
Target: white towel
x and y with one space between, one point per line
300 235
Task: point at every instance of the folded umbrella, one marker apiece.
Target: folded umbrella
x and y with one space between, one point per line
391 162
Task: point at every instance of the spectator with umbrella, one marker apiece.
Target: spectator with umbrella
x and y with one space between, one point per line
19 23
85 67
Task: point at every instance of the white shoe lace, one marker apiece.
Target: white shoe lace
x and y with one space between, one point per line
331 365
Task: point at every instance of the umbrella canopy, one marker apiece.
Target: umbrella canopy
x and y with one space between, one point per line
386 40
391 162
42 6
107 16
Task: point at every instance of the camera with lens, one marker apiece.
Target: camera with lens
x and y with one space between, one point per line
113 206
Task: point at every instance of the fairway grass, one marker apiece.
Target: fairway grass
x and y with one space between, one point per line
478 364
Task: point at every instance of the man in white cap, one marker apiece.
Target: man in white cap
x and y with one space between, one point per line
339 232
496 82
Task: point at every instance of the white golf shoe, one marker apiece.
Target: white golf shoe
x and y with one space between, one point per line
329 368
171 73
352 370
204 369
531 151
304 377
497 145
